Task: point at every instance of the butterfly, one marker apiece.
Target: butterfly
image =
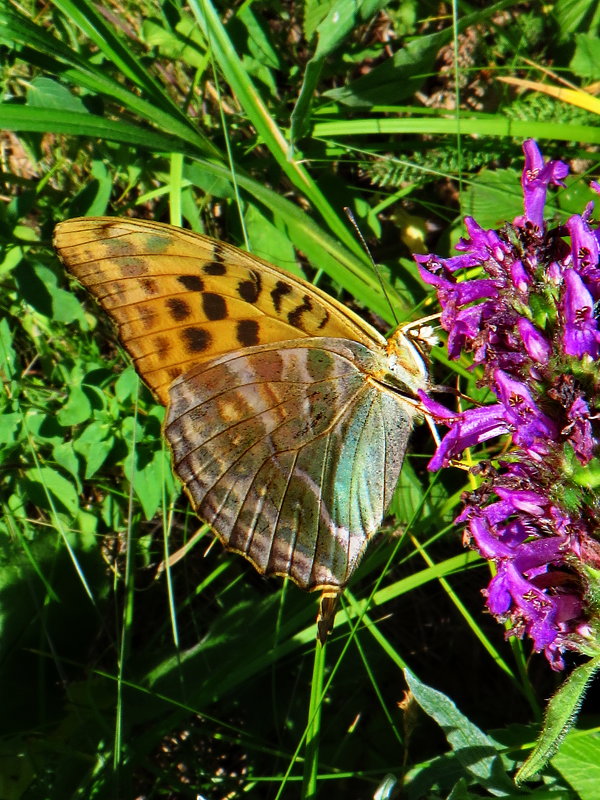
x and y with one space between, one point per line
287 415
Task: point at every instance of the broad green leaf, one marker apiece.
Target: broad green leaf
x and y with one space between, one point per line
149 481
268 241
50 490
47 93
94 454
491 197
175 44
77 408
39 287
560 716
64 455
479 754
127 384
578 761
586 59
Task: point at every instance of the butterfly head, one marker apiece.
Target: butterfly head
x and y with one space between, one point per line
407 364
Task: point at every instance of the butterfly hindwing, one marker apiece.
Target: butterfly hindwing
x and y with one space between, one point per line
290 454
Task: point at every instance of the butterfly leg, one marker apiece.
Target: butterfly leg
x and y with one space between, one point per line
326 615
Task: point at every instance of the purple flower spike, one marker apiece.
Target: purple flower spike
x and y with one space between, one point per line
527 314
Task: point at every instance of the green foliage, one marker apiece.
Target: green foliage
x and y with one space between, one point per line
126 672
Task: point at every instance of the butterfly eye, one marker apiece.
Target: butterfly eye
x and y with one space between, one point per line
425 338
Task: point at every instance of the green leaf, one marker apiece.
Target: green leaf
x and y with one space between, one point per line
492 197
479 754
8 355
49 120
50 490
561 713
268 241
38 286
77 408
127 384
342 17
586 59
149 482
578 761
402 75
259 44
94 445
64 455
176 44
47 93
9 425
159 111
574 15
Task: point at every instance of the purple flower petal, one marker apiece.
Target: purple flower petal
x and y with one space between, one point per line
580 335
535 180
537 346
530 424
469 428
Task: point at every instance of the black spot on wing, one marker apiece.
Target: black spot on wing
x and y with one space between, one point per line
324 321
149 286
214 306
193 283
178 309
147 316
278 293
249 290
196 340
162 344
214 268
247 332
295 316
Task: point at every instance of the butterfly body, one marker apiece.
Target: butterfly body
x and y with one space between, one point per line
287 415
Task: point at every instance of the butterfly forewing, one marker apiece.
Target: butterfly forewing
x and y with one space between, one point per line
180 298
280 416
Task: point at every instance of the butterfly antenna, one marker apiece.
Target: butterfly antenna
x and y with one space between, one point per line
350 216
